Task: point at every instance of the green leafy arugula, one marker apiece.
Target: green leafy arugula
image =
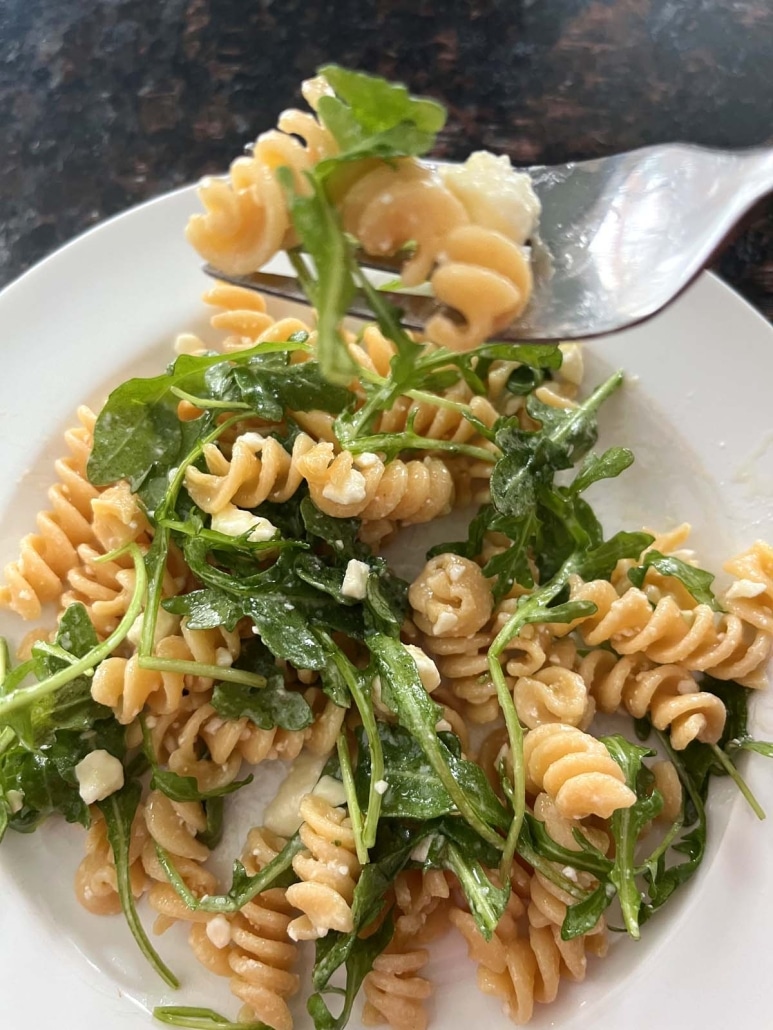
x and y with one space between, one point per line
697 581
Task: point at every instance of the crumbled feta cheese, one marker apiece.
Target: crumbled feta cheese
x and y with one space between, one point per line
167 625
443 726
219 931
355 582
456 571
283 815
381 786
445 622
745 588
428 672
350 491
495 195
99 775
223 657
233 521
366 460
569 873
420 852
572 367
331 790
15 799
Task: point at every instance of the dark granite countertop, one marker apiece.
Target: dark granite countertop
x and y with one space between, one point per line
105 103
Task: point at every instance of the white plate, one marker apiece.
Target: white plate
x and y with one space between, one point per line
697 414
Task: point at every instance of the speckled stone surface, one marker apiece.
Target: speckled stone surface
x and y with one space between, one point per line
105 103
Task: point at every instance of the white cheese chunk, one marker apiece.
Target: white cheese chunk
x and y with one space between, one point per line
15 799
99 775
331 790
219 931
420 852
428 671
233 521
381 786
745 588
355 582
351 491
223 658
167 625
444 623
366 460
572 366
495 195
283 815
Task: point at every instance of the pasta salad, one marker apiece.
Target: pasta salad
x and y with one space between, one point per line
213 555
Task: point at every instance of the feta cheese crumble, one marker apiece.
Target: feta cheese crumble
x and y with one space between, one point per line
233 521
99 775
355 584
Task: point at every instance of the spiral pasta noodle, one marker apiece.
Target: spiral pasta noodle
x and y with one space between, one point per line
47 556
553 694
750 596
251 946
394 992
725 646
246 480
96 886
525 959
667 693
477 269
344 486
576 770
450 597
327 871
123 685
463 662
246 219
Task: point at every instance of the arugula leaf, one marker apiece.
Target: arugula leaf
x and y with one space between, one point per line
583 916
597 467
414 791
119 810
588 859
371 117
340 534
390 855
465 782
207 608
211 836
697 581
278 873
359 962
138 434
267 706
627 823
534 355
318 227
487 901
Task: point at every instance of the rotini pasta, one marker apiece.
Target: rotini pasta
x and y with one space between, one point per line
667 693
450 597
344 486
696 639
328 871
576 770
47 556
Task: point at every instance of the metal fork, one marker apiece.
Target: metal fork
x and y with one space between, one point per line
619 238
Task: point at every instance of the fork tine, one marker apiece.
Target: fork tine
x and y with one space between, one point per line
415 310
